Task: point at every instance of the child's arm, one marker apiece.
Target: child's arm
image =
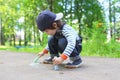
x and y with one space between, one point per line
57 60
45 51
71 36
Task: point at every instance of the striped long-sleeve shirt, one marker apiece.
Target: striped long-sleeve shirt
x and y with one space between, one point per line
71 35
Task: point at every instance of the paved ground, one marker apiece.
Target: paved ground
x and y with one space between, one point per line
15 66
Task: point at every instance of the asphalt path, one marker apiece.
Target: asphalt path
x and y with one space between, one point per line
16 66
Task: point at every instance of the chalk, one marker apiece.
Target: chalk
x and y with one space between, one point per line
36 59
56 67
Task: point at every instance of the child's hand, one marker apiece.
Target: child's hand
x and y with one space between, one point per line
57 60
41 54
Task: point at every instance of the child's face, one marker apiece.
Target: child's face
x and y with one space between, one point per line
50 31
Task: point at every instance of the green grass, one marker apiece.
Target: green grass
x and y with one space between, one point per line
90 48
27 49
93 48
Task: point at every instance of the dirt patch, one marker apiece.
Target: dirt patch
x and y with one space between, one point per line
15 66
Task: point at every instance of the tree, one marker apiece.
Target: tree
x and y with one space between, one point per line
85 11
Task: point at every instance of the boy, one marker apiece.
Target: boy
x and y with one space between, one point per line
63 39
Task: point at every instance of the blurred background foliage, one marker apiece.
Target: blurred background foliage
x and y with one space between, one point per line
18 30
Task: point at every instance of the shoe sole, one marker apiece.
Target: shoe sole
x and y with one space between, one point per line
71 67
47 62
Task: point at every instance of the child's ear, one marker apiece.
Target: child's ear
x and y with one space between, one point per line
54 25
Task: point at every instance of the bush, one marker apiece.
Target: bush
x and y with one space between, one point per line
96 46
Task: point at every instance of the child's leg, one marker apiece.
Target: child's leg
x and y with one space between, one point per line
53 46
74 56
62 43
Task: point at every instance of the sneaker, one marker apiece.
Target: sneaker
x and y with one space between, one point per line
74 64
48 61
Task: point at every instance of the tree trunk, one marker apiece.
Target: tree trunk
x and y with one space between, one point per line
25 39
114 18
79 14
2 41
110 17
14 40
10 40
